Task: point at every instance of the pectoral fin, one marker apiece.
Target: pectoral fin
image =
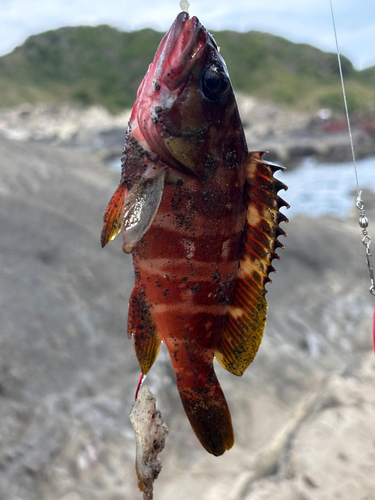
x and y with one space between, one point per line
246 317
112 214
140 208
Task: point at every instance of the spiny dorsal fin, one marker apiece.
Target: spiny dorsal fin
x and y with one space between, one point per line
246 317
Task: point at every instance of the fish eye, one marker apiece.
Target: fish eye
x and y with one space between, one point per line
214 83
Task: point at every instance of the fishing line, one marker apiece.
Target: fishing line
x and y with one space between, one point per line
345 100
363 220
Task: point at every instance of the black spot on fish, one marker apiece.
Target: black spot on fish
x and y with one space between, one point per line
216 277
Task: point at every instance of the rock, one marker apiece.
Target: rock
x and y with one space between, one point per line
64 368
92 128
293 135
331 455
68 373
289 135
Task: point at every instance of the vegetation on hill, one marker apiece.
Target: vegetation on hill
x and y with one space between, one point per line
87 65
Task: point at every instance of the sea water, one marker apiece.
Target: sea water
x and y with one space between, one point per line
316 189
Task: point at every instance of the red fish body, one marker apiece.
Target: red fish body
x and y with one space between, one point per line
200 214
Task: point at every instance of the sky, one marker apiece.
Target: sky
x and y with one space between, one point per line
298 20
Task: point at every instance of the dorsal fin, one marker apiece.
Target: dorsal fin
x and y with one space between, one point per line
246 317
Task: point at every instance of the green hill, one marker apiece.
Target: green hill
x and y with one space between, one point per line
87 65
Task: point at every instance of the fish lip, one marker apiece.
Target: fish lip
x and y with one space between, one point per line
184 44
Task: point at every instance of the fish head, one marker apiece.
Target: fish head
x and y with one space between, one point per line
185 107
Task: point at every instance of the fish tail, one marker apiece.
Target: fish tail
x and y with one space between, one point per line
203 400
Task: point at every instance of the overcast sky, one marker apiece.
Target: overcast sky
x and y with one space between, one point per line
298 20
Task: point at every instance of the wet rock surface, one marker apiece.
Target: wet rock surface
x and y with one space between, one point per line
303 412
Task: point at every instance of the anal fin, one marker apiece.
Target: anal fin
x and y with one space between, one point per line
142 327
246 316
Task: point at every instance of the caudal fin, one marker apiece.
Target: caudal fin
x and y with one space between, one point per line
203 400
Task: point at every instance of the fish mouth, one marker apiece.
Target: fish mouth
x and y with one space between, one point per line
179 51
175 59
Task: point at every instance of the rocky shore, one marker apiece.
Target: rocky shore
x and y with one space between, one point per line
303 412
289 135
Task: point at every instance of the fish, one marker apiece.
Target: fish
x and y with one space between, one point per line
201 216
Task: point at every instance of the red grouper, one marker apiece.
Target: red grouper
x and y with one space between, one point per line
200 214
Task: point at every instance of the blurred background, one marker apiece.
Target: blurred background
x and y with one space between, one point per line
303 412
